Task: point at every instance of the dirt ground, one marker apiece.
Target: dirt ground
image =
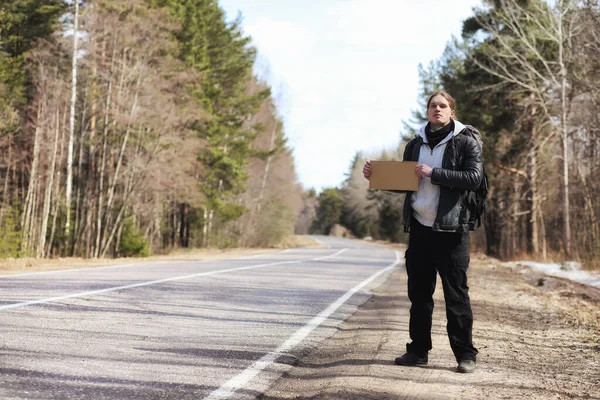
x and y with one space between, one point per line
538 338
27 265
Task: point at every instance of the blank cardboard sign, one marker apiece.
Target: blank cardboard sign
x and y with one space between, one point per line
394 175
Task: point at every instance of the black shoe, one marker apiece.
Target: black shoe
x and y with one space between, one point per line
466 366
410 359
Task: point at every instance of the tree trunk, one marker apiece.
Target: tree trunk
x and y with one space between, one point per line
77 227
41 249
205 228
209 229
113 185
129 187
29 199
543 228
90 199
173 224
266 171
564 131
183 231
114 229
6 179
157 221
589 207
515 218
89 246
57 191
118 242
71 128
533 221
103 161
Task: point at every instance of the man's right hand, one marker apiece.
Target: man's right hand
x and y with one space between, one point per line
367 170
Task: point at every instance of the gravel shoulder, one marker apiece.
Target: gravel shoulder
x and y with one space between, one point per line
538 337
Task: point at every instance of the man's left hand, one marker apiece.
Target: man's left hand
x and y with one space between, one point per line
423 171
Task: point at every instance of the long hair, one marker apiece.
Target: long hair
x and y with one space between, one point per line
445 95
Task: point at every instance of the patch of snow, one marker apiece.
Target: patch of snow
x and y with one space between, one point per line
570 270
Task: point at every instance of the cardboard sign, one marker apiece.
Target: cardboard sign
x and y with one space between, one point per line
394 175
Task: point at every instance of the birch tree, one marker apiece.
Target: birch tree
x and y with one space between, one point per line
530 48
72 122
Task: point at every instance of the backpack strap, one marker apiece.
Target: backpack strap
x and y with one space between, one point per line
474 133
413 149
477 198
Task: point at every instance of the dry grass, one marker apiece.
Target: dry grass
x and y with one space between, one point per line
26 265
295 241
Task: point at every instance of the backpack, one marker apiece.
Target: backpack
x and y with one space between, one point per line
476 199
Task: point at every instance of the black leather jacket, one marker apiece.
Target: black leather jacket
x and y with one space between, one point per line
462 170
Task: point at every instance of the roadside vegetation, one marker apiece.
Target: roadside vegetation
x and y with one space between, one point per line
131 128
139 128
526 74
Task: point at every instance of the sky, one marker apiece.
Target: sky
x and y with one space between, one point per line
344 73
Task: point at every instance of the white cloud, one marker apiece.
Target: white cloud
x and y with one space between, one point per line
393 24
350 74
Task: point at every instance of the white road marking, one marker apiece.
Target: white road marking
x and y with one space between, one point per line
249 257
75 269
242 379
149 283
330 256
150 263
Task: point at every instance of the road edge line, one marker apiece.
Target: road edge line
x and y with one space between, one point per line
156 282
239 381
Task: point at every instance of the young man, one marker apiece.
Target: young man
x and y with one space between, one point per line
449 165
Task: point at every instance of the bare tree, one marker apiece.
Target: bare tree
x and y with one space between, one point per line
72 123
518 55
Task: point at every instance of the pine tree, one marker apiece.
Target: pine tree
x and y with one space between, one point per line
223 56
329 211
22 22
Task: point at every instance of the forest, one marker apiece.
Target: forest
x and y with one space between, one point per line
139 127
526 73
133 128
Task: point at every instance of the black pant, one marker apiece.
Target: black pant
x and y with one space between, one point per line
448 254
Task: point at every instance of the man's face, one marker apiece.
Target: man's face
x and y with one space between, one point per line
439 112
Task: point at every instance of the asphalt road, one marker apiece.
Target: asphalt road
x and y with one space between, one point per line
178 330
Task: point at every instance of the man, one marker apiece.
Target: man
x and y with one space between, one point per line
438 219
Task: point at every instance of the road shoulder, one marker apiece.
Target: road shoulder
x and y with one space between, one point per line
26 265
535 342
